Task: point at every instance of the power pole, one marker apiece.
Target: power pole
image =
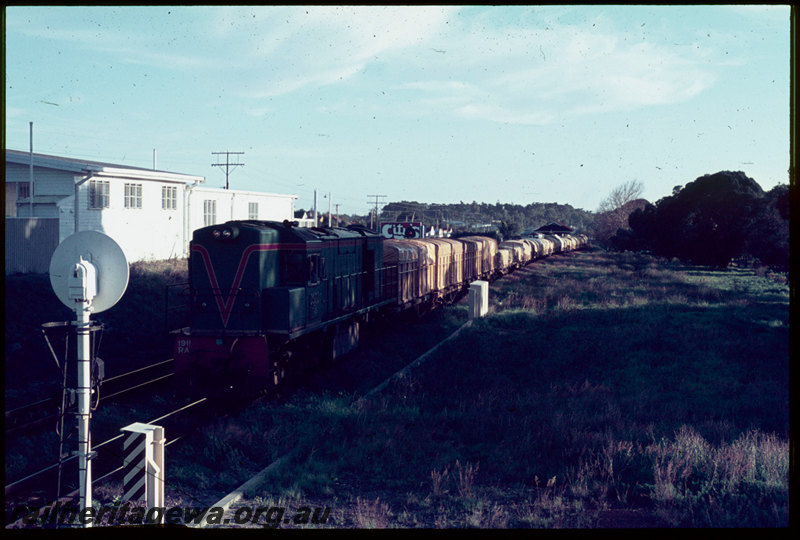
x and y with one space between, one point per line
228 165
376 226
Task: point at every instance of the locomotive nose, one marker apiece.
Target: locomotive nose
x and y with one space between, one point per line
249 367
206 364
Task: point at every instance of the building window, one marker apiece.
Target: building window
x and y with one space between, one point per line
209 213
252 210
98 194
169 197
23 190
133 195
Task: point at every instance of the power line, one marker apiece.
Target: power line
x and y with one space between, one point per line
375 226
228 165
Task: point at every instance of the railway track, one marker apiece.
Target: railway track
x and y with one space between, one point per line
26 425
58 481
46 485
43 412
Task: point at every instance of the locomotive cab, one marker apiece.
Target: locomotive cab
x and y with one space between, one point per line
256 286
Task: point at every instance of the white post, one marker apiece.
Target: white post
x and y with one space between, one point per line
316 223
83 288
155 477
478 299
84 405
30 180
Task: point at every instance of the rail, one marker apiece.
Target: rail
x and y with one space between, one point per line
33 415
99 462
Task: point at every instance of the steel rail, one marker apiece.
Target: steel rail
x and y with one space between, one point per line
151 366
12 486
43 406
137 386
16 410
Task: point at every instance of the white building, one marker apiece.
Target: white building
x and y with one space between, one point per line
151 214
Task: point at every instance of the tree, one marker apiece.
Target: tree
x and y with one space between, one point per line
621 195
614 210
705 222
509 229
768 237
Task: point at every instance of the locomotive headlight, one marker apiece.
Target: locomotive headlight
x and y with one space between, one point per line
225 233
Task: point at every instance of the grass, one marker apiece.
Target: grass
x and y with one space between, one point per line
603 389
600 388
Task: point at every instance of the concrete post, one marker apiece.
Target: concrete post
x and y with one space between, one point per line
478 299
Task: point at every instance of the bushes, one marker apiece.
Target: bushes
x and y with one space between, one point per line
712 220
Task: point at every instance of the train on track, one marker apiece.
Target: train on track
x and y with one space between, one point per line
266 296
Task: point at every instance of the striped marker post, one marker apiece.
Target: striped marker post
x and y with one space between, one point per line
143 464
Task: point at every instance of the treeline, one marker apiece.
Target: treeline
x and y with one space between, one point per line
712 220
466 216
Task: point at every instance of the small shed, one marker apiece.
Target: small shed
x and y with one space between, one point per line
555 227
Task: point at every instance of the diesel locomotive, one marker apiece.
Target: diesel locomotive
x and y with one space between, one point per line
265 297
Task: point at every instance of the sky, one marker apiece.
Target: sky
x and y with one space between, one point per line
434 104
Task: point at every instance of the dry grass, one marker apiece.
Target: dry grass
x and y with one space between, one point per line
371 514
601 389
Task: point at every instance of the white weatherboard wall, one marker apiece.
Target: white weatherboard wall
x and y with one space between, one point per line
146 233
234 204
149 232
153 233
50 186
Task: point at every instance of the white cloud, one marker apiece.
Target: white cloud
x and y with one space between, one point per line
124 34
13 113
478 63
761 9
320 45
437 86
537 77
495 113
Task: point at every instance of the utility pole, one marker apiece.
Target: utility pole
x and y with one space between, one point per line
376 226
228 165
30 180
